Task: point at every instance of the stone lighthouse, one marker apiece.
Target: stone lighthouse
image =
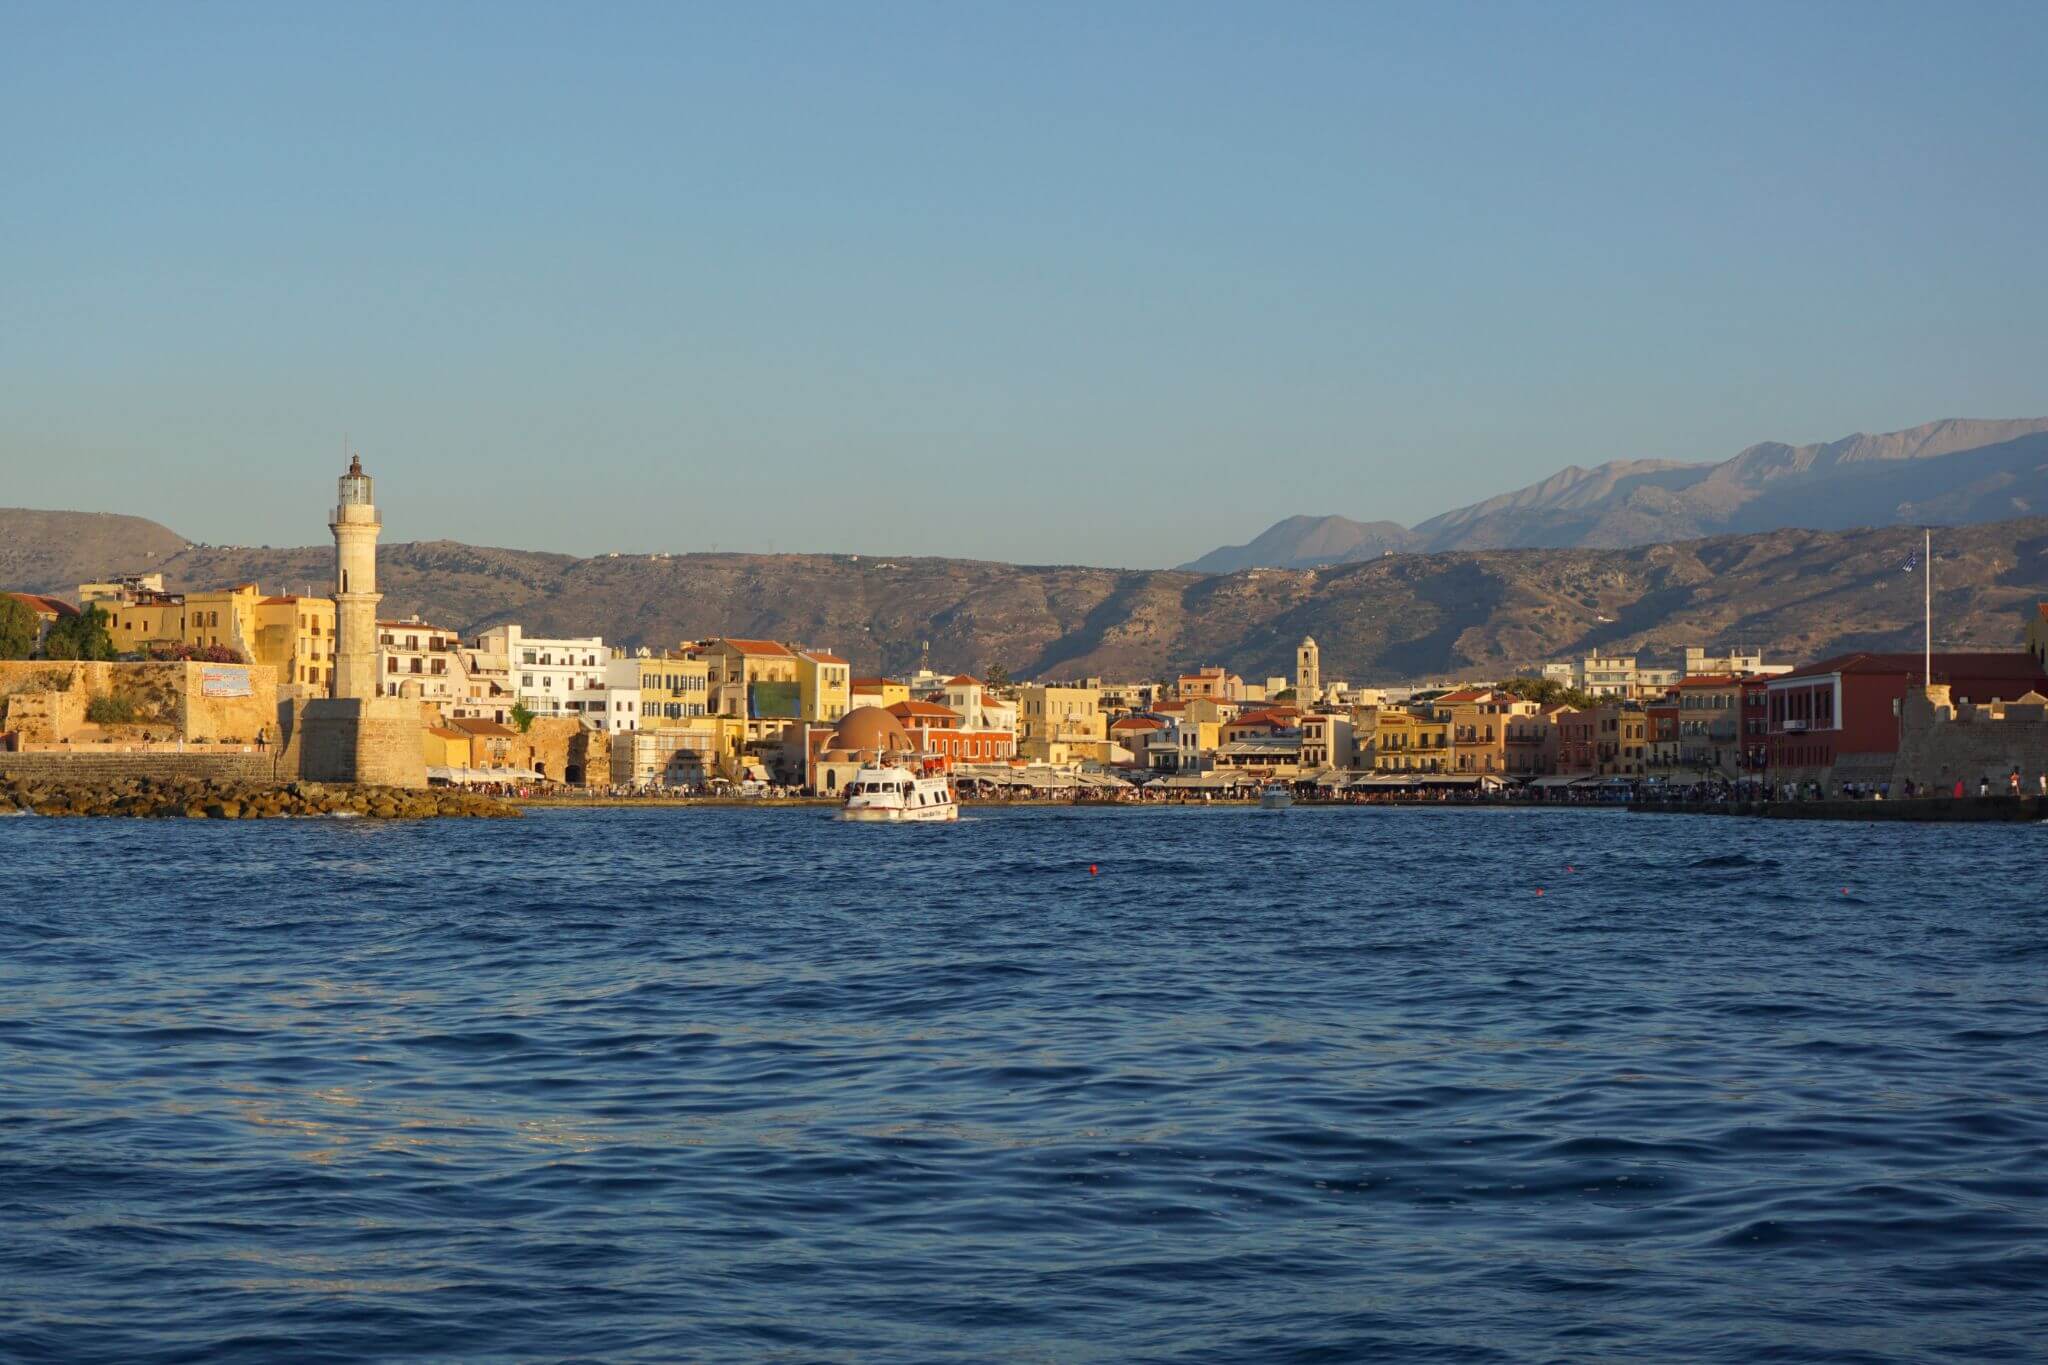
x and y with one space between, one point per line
355 528
356 735
1308 673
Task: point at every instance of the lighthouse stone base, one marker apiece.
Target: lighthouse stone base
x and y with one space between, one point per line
373 741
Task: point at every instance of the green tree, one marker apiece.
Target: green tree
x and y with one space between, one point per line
1545 692
522 717
83 636
18 627
998 676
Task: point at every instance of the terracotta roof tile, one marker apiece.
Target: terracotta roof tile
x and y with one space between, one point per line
754 646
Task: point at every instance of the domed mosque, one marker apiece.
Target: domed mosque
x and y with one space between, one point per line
862 735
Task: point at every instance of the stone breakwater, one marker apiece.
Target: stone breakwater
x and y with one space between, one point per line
204 799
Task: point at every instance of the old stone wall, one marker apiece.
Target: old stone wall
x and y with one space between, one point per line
89 766
230 703
370 740
553 745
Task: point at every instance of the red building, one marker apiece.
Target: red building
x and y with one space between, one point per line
1850 704
944 738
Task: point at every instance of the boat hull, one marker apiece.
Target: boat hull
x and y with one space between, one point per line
898 815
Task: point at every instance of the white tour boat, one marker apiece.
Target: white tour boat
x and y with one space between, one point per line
883 791
1275 796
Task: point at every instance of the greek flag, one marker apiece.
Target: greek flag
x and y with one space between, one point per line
1912 561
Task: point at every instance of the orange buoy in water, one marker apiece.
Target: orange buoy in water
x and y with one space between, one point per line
1539 890
1091 869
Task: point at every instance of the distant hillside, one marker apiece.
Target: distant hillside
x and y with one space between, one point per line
1947 473
1797 594
1301 542
60 550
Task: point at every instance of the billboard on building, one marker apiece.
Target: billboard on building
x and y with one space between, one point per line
224 680
773 700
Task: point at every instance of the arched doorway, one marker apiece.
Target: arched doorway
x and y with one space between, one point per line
540 768
573 775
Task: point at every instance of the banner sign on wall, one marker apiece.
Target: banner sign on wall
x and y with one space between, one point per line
223 680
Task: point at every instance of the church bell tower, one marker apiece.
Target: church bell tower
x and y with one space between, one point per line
355 528
1308 673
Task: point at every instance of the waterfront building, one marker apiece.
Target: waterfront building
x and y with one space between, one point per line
653 691
754 680
1411 740
1478 718
665 756
1264 722
945 738
1661 748
416 659
1272 757
1709 723
1529 748
1621 739
1059 719
1326 741
1839 719
551 676
295 635
485 689
1577 743
445 747
824 686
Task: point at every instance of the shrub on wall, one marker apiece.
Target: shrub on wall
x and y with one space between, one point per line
110 711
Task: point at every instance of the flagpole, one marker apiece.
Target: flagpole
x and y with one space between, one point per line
1927 664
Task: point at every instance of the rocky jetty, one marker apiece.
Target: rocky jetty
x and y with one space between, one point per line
188 798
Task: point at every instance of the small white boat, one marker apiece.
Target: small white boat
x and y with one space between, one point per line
885 792
1275 796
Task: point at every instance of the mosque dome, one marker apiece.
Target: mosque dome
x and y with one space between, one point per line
869 727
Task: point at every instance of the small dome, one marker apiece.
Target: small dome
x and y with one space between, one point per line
1308 639
869 727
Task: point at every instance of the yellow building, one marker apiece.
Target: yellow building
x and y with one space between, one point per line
880 693
147 619
755 680
1411 742
672 688
223 616
446 748
1061 724
295 636
824 686
1046 712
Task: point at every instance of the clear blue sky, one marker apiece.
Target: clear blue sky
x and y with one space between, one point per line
1104 284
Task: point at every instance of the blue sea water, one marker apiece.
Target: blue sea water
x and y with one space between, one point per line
1317 1085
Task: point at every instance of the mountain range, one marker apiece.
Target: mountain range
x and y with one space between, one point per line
1945 473
1797 594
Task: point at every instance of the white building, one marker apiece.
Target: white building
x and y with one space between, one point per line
421 660
1738 661
563 677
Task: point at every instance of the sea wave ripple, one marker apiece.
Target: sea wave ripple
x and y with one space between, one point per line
1047 1085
